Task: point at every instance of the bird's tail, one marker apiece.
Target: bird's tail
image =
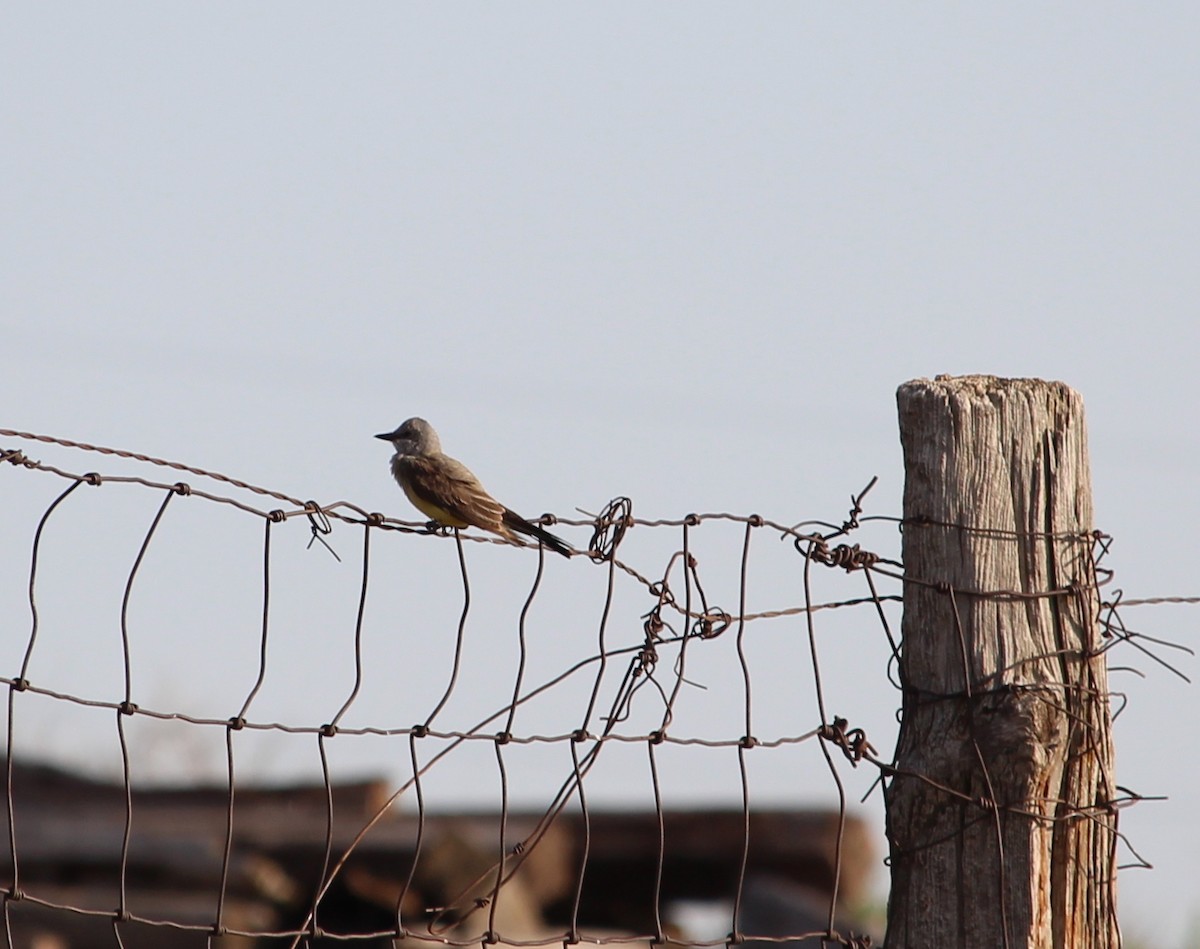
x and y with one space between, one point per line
517 523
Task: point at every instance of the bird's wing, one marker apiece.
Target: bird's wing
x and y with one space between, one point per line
447 491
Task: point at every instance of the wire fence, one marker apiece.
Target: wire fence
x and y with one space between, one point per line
628 680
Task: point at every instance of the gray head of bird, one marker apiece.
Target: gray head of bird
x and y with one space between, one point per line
414 436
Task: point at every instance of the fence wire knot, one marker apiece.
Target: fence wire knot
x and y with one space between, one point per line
646 660
318 522
853 743
610 527
654 623
848 557
712 624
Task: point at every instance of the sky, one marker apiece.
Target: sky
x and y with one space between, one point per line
682 253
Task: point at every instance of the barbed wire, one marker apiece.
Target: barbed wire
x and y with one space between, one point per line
681 619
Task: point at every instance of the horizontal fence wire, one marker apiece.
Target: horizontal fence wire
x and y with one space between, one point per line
679 622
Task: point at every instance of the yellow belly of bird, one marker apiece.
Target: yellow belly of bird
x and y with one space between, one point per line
432 511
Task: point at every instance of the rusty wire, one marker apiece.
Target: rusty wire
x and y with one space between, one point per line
681 618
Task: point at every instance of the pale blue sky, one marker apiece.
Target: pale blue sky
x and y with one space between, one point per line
680 252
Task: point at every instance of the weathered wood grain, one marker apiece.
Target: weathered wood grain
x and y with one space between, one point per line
999 819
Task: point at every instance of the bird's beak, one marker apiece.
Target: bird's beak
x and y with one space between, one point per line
386 436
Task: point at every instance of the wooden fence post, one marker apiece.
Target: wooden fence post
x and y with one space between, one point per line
1000 819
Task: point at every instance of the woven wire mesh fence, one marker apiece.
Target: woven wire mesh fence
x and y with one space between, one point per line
537 700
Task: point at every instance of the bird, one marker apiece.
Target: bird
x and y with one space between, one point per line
446 490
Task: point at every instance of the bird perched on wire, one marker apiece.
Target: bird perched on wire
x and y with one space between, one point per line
445 490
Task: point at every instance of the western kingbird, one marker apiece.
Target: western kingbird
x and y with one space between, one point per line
445 489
